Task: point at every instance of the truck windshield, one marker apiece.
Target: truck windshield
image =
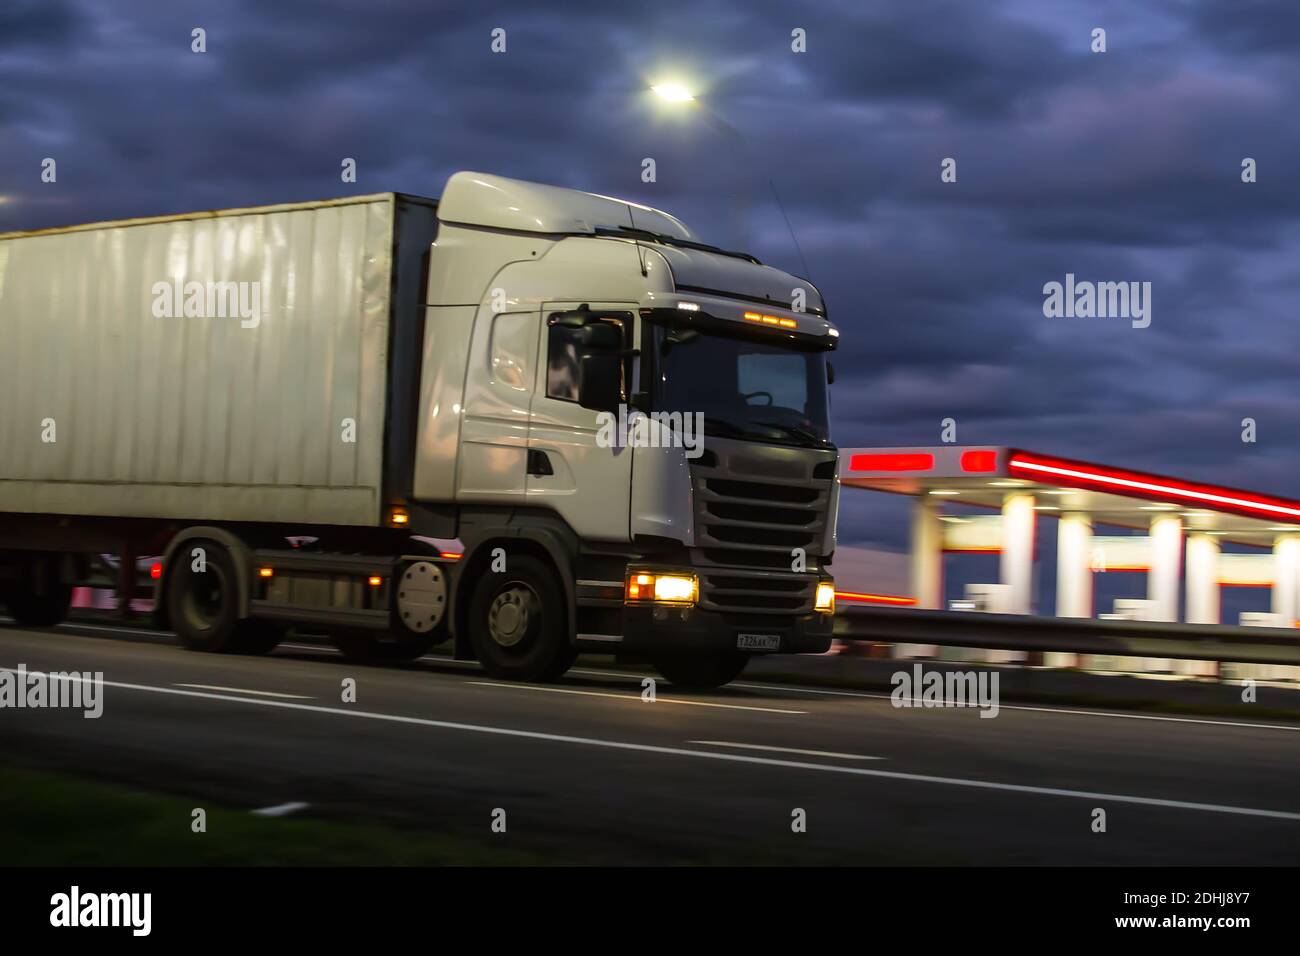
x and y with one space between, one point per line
744 388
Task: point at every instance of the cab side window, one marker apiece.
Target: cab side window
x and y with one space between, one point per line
563 370
564 356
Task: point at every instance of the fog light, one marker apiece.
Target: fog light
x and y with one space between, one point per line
649 587
825 597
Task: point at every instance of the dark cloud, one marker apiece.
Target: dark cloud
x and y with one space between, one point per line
1115 166
50 25
1250 26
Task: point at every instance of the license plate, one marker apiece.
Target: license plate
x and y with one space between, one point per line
759 642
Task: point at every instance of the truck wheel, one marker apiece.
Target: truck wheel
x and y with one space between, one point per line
398 646
702 670
204 605
418 621
45 607
517 623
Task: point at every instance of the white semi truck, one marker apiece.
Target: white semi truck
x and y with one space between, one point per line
298 406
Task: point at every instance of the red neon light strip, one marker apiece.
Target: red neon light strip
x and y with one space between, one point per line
979 461
908 462
1150 485
873 598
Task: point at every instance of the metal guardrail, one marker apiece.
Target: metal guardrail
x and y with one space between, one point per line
1017 632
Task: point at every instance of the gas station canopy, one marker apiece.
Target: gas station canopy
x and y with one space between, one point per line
983 476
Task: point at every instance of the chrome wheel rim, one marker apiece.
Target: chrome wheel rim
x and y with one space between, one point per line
513 614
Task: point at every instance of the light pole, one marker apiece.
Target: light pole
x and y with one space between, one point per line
677 93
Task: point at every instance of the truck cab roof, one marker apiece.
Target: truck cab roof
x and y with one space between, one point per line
496 202
482 199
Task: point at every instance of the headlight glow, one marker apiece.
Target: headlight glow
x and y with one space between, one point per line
651 587
825 597
675 588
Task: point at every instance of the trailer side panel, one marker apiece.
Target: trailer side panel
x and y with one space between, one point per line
117 399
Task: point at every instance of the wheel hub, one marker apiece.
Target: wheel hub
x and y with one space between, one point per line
203 600
511 614
422 597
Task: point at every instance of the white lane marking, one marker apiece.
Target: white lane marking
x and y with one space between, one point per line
1174 720
801 689
784 750
797 688
712 755
78 625
245 690
636 697
280 810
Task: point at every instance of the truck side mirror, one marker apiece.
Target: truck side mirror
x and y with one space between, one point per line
601 361
600 388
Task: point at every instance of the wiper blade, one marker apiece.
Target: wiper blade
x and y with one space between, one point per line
797 430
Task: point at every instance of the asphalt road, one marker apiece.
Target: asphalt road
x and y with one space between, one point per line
693 777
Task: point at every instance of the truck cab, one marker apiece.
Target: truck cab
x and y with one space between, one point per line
528 420
638 422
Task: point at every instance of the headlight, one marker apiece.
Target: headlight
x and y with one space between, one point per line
825 597
650 587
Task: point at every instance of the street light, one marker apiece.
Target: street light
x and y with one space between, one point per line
678 93
673 92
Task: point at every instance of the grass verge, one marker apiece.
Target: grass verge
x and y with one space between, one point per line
49 819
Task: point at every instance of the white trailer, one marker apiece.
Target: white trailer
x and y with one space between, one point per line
293 404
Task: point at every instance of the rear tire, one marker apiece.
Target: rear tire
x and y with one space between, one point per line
704 671
418 619
518 622
204 605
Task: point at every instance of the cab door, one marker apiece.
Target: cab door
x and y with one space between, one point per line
579 463
499 387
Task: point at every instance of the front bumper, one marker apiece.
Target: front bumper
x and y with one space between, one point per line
666 628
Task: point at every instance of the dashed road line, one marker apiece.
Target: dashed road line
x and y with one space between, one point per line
784 750
245 690
636 697
280 810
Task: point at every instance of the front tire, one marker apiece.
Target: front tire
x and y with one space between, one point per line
705 671
518 622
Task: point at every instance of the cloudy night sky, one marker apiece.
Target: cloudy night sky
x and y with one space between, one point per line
1117 166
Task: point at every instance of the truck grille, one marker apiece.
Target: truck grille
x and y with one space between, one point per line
753 507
